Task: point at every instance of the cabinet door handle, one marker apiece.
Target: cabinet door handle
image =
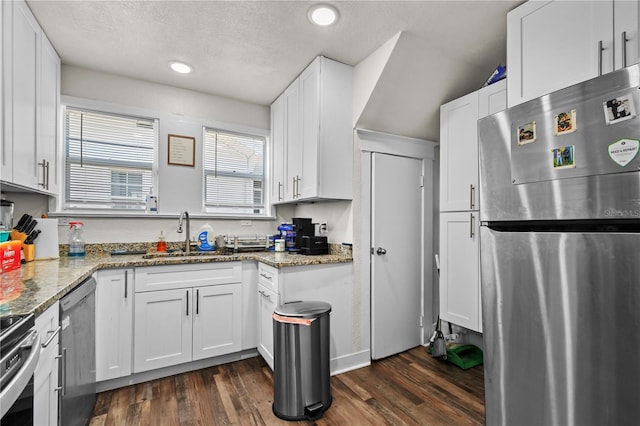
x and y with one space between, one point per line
296 187
265 276
472 196
126 282
624 49
197 301
471 233
53 333
45 174
280 186
265 295
600 49
187 302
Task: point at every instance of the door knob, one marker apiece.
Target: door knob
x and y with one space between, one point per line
381 251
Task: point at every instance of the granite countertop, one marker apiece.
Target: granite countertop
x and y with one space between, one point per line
38 284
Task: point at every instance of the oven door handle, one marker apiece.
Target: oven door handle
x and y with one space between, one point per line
14 388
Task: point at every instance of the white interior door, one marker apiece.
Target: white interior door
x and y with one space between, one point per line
396 255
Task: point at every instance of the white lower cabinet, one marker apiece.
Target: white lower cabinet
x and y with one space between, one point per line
45 378
217 320
162 329
460 300
330 283
267 302
268 299
196 315
114 323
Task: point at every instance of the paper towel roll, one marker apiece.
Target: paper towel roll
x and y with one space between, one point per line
47 242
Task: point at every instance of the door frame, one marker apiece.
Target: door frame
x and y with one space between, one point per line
369 142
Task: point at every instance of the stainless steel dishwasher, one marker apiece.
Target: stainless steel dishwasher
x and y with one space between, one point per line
78 366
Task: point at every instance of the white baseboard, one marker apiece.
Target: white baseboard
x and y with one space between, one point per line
350 362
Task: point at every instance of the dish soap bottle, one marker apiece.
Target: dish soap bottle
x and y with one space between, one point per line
161 247
206 239
76 242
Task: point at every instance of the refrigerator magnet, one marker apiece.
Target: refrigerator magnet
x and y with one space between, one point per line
619 109
564 122
527 133
564 157
623 151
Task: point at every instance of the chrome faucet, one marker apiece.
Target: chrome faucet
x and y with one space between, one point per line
187 241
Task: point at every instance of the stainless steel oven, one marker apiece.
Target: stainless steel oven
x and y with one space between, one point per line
19 353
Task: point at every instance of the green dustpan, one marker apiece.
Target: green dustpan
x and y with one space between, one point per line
464 356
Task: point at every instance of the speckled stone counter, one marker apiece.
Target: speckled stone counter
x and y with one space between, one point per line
37 285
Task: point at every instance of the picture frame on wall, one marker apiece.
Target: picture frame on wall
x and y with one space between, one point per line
182 150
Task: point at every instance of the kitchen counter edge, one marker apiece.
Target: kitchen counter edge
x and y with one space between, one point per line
29 289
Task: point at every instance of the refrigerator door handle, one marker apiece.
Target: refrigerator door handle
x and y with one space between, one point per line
624 49
600 49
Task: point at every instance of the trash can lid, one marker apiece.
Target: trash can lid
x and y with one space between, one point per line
303 309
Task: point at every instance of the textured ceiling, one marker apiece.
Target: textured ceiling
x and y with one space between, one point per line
251 50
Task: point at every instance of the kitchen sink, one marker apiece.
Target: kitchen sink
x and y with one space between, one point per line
183 254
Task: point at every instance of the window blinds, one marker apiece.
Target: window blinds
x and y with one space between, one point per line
233 172
109 160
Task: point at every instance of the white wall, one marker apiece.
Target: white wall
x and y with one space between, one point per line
89 84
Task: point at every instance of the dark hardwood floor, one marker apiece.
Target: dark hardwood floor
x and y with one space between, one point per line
411 388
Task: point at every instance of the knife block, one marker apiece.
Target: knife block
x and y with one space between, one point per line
17 235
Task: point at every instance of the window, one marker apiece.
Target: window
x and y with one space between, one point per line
109 160
233 173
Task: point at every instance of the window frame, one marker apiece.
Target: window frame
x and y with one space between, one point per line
61 206
266 178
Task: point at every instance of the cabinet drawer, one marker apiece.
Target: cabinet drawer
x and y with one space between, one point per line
185 276
48 323
268 277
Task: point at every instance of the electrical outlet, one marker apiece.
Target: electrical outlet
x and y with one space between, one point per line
245 223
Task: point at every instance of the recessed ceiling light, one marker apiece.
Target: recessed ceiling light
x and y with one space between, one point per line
323 15
180 67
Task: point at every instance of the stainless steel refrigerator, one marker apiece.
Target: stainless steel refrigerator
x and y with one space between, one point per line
560 256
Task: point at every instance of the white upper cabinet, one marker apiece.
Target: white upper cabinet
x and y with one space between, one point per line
6 116
47 117
278 149
30 104
292 138
555 44
318 135
459 154
626 17
24 84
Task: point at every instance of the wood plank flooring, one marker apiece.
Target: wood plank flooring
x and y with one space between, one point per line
411 388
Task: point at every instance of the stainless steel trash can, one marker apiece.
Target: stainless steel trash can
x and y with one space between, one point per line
301 370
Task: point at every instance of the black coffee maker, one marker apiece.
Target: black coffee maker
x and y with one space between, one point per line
306 241
303 228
